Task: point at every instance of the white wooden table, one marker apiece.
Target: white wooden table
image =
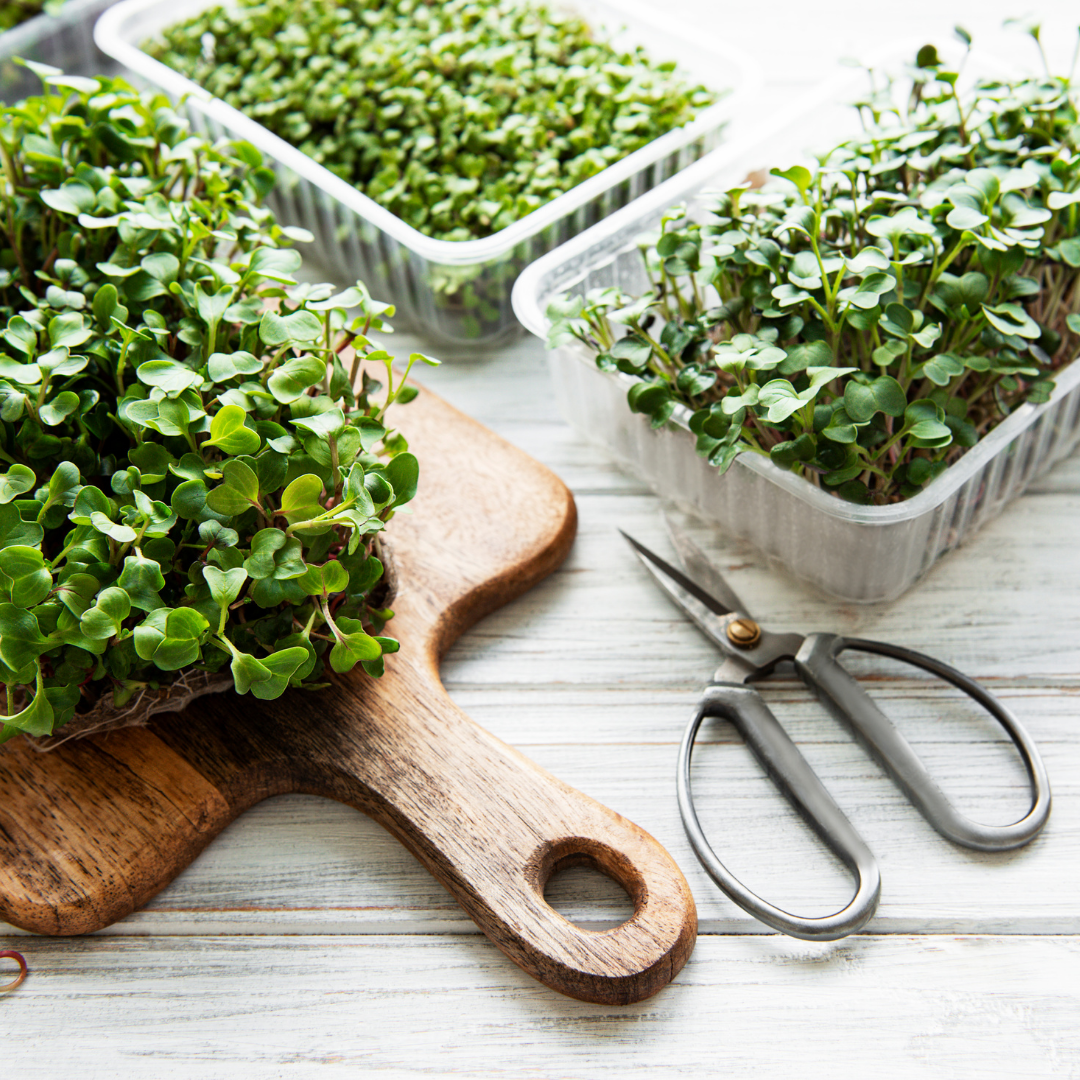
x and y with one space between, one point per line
306 942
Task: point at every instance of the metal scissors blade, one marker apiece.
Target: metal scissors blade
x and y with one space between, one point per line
676 583
698 566
746 659
707 613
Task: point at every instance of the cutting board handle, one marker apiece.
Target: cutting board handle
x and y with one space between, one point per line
94 829
493 827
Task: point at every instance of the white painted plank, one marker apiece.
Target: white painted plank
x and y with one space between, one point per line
294 1007
999 608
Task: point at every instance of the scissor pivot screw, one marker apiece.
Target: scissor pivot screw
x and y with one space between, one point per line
744 633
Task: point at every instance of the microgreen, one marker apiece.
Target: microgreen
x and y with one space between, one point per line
459 117
13 12
865 322
197 465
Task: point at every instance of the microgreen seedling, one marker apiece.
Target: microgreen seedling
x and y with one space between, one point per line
197 462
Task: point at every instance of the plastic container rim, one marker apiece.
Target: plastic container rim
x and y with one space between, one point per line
444 252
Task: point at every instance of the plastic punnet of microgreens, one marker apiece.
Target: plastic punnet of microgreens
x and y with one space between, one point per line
459 117
866 322
191 482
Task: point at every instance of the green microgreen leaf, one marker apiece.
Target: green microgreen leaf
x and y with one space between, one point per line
24 578
169 638
324 580
142 580
106 618
228 432
353 646
15 482
294 377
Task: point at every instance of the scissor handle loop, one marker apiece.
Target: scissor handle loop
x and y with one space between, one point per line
819 668
746 710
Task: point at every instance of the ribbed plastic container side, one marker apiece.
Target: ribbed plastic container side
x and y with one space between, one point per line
863 561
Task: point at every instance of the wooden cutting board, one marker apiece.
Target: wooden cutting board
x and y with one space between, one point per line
92 830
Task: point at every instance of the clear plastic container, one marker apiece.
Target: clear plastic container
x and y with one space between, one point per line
857 553
449 291
65 41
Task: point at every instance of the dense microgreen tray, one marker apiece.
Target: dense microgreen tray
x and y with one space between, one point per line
460 118
449 290
197 472
866 322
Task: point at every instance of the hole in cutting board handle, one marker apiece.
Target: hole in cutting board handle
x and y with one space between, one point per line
579 875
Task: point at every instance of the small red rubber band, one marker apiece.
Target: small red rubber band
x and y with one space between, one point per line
11 954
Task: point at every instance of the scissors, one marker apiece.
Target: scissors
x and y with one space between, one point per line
752 653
